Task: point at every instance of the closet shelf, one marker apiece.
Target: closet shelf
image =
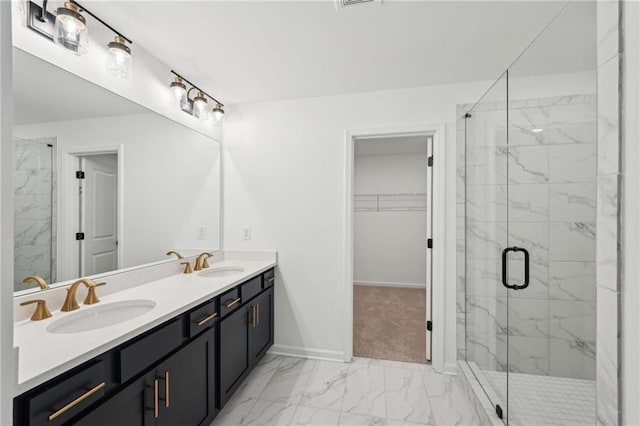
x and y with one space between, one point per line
390 202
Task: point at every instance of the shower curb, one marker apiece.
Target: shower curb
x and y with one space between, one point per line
484 410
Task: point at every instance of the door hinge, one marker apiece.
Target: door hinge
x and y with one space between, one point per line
79 236
429 243
429 325
79 174
430 161
499 411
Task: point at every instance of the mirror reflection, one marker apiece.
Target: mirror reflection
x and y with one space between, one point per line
101 183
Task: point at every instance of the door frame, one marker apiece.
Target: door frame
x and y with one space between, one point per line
437 132
68 250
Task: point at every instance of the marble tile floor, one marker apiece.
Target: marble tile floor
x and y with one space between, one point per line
296 391
546 400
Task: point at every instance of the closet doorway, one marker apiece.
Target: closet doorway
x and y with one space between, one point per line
392 197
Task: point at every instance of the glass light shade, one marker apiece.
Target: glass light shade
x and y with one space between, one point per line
218 113
119 59
200 110
70 30
179 91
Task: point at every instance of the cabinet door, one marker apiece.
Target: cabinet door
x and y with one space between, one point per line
187 384
132 406
261 328
234 351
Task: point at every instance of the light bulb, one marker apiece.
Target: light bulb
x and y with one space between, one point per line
119 59
200 110
218 112
70 31
179 91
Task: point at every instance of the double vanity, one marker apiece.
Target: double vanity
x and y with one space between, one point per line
170 351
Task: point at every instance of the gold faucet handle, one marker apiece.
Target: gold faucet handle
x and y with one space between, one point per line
92 297
187 267
38 279
41 312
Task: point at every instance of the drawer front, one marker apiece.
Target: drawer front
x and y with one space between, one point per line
251 288
230 301
60 402
203 317
144 352
269 278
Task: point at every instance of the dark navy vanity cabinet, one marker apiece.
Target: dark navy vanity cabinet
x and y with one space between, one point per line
181 372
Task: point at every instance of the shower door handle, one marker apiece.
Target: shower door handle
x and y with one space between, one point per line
505 282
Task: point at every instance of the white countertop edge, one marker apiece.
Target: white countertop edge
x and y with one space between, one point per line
70 363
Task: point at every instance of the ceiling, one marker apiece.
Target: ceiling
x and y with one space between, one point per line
248 51
44 93
397 145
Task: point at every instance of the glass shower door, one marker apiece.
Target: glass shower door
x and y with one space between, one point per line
486 230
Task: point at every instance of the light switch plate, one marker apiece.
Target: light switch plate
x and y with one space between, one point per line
246 233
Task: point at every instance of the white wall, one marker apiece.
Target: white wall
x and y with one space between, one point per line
148 85
631 208
390 246
170 184
7 371
285 177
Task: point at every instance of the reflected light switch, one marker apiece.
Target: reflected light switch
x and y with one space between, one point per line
246 233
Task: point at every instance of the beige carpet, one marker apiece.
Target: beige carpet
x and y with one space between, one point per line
389 323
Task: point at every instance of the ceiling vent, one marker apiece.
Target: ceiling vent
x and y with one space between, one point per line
345 3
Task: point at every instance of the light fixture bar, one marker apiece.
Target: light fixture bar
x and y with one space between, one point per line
196 87
84 9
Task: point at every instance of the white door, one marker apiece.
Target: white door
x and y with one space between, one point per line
429 228
98 214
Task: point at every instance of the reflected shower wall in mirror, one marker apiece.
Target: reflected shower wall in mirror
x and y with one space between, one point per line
149 184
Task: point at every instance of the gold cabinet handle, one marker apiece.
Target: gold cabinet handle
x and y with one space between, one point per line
76 401
155 398
233 302
272 279
253 316
166 389
258 314
207 319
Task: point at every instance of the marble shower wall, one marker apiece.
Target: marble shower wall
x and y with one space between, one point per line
34 210
537 192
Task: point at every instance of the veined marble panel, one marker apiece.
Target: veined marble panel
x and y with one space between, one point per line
448 400
365 393
482 348
528 203
528 164
484 278
406 396
526 317
572 202
574 321
572 241
608 117
607 368
326 386
482 313
538 279
526 354
570 358
607 232
486 203
572 163
572 281
608 21
29 232
289 380
532 236
485 240
529 126
486 165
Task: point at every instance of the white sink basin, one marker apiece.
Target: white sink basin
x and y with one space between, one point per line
221 271
101 315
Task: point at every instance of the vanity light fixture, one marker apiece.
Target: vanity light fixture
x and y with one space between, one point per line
198 106
119 59
68 29
218 112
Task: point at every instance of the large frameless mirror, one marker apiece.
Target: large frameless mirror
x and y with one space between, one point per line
101 183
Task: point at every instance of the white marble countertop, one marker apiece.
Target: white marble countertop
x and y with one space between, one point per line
43 355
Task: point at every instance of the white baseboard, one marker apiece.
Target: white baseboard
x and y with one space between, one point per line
389 284
310 353
451 368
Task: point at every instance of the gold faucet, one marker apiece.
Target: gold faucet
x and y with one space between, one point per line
180 257
71 304
38 279
41 312
187 267
201 261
